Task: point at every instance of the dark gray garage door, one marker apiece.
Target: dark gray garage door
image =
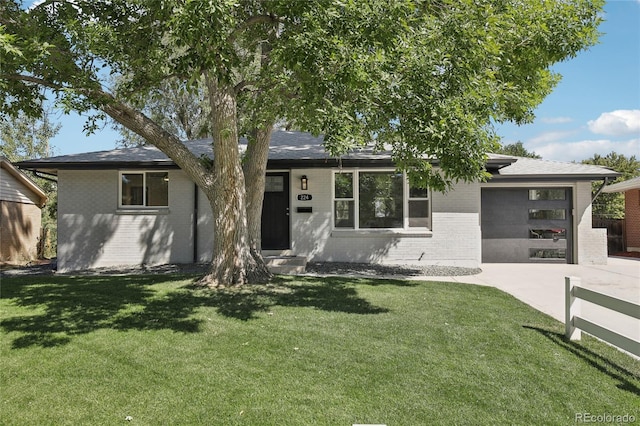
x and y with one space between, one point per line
522 225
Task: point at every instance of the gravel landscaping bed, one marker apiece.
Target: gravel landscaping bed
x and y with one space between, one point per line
376 270
50 269
313 268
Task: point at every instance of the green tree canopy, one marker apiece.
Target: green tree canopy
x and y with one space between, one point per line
23 137
183 112
517 150
612 205
26 137
424 77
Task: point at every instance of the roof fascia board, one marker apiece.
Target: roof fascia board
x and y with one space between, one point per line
328 163
98 165
547 178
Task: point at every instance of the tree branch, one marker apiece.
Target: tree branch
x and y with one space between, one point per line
32 79
166 142
135 121
254 20
244 84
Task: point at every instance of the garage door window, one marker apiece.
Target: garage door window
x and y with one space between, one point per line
548 234
547 194
535 253
551 214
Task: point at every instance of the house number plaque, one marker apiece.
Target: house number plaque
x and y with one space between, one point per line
304 197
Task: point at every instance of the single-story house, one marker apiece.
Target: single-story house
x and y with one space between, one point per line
21 200
631 189
135 206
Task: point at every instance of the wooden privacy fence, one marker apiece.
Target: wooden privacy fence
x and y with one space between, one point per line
574 323
615 233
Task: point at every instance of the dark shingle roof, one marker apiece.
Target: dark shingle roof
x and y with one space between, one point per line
297 149
623 186
553 169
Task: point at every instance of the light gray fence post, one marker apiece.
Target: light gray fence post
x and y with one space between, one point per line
571 308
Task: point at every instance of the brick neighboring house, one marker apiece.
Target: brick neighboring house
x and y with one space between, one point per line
631 189
135 206
21 200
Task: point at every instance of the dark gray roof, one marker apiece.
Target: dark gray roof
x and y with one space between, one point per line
297 149
623 186
531 167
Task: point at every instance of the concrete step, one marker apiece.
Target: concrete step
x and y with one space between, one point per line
286 265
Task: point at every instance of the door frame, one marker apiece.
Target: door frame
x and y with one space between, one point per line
287 211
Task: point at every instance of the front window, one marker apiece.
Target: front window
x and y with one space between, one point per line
418 207
344 202
378 200
144 189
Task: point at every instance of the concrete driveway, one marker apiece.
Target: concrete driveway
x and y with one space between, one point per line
542 287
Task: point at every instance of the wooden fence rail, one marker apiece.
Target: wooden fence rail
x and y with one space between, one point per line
574 323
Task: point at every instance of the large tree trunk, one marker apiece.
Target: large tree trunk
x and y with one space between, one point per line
234 260
255 169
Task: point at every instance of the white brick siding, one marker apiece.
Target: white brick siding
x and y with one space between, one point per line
93 232
205 228
591 243
455 239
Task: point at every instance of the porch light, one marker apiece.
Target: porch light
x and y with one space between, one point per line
304 183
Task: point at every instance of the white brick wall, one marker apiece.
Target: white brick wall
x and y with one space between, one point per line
205 228
92 232
455 239
591 244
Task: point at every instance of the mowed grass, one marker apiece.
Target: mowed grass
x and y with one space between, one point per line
317 351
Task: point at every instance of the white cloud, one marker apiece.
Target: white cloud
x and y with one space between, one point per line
581 150
617 123
548 137
557 120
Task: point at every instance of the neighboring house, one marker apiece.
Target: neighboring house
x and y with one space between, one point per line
631 189
20 215
135 206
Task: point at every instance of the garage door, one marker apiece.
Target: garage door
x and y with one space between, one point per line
523 225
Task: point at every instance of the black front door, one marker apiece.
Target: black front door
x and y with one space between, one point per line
275 212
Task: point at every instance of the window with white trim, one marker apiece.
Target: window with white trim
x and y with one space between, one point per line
144 189
374 199
344 203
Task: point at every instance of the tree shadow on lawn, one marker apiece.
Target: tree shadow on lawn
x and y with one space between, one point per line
62 307
602 364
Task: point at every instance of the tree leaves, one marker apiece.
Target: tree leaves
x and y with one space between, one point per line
426 78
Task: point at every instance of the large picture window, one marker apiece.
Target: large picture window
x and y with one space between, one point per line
378 200
144 189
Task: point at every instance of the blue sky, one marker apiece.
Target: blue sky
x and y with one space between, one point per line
596 106
595 109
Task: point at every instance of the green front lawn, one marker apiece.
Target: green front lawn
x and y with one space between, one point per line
93 350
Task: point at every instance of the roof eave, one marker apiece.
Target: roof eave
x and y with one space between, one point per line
95 165
553 177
